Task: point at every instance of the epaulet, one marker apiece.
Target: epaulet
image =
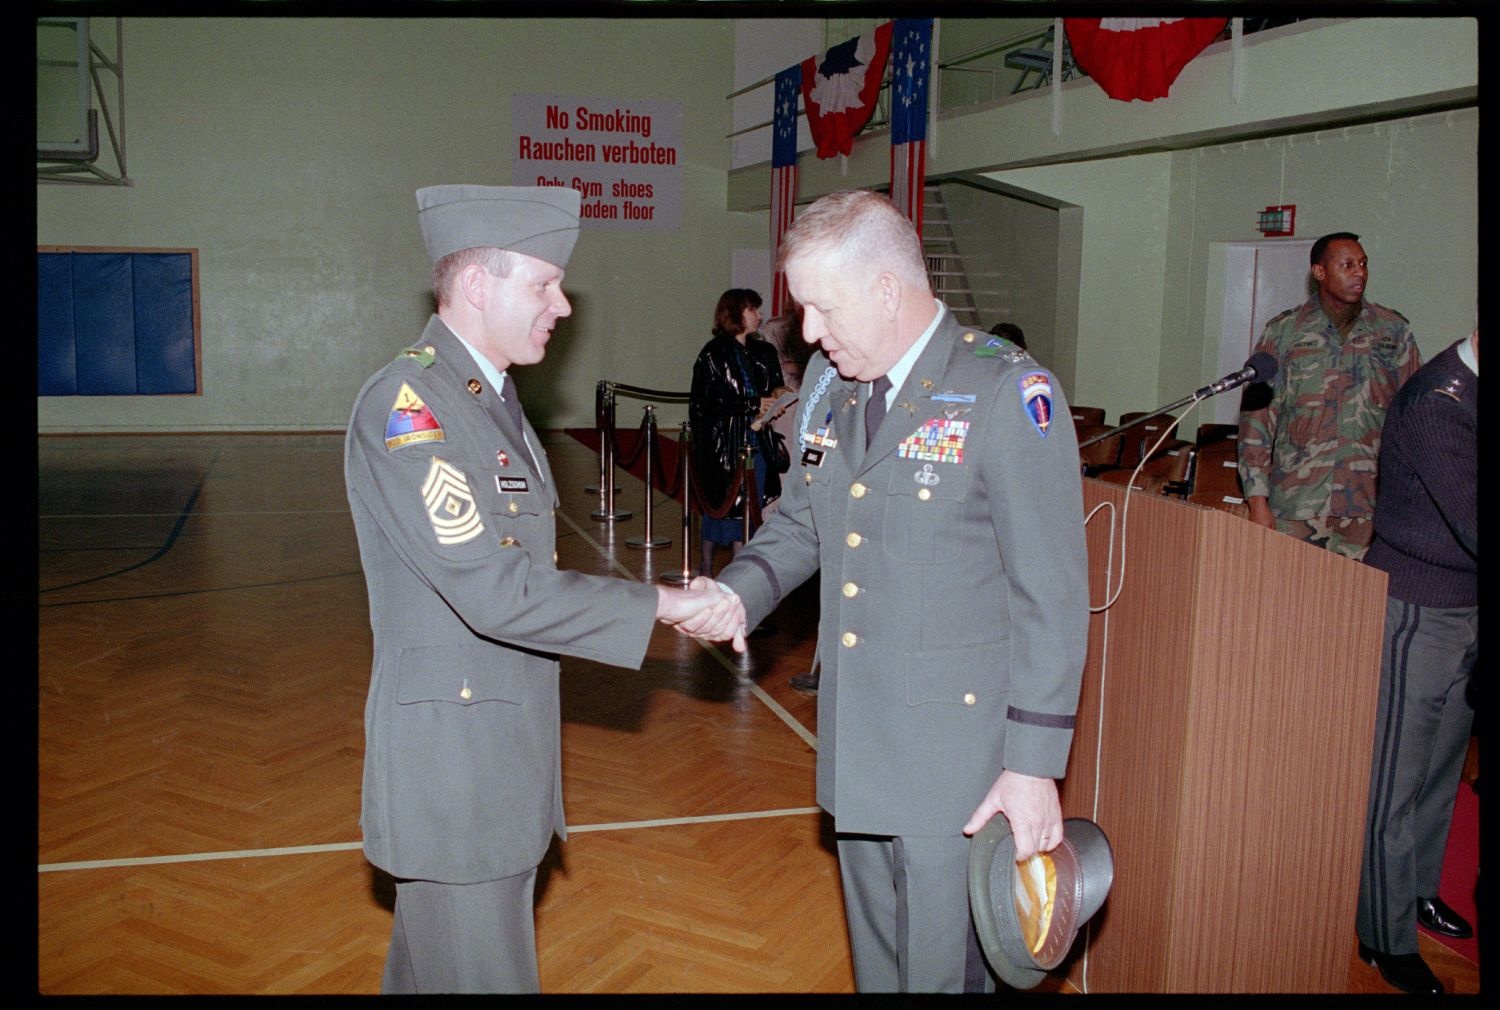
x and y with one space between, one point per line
422 354
1382 311
1278 317
1453 387
990 346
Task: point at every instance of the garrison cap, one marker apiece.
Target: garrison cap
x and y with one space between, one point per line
540 221
1027 915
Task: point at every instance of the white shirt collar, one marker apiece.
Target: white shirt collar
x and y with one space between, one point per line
1466 355
494 375
902 368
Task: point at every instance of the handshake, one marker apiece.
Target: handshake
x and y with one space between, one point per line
704 610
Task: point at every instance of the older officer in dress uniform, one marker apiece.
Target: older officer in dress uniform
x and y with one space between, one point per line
453 505
954 608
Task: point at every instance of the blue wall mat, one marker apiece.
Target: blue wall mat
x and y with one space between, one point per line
56 364
104 324
115 324
164 323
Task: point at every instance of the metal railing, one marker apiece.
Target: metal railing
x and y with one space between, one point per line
1020 54
682 487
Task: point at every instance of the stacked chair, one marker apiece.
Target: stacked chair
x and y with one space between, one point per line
1203 470
1169 468
1101 457
1216 481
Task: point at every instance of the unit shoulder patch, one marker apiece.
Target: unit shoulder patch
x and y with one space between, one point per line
411 420
1036 399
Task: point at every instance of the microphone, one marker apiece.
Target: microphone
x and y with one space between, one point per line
1261 367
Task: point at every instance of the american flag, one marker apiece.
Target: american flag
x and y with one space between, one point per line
911 50
783 175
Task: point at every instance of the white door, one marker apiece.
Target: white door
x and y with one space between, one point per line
1260 280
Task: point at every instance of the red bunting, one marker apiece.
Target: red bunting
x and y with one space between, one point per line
1134 58
839 88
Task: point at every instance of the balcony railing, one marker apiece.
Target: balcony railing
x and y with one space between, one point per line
1007 65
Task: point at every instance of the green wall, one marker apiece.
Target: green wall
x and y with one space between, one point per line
1146 333
287 151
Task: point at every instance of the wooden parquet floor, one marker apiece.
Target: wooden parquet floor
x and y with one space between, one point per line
203 655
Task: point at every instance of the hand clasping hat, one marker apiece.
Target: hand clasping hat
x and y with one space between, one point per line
1028 914
540 221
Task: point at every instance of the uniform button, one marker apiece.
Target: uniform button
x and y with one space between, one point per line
969 699
854 540
850 589
849 639
508 542
968 338
465 693
554 557
857 490
514 507
924 493
807 478
430 349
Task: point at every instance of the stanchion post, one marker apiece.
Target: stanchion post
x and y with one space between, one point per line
600 391
749 487
685 461
599 426
607 511
648 540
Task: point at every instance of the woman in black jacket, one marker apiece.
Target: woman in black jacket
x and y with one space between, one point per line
735 376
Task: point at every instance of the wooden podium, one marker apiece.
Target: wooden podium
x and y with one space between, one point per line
1223 744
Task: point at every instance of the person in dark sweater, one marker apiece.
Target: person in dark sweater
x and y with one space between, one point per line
1427 540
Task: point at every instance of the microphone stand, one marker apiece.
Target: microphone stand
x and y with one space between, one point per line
1194 398
1250 373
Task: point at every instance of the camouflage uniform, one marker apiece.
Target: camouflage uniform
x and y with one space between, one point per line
1311 451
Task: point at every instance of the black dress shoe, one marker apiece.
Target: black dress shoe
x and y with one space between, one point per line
1435 914
1407 972
805 683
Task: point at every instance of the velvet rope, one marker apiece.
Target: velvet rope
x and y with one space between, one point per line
640 442
669 485
744 477
722 509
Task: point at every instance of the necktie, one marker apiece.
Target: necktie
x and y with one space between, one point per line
511 401
875 407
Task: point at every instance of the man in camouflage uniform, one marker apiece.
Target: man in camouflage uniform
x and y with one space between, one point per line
1307 458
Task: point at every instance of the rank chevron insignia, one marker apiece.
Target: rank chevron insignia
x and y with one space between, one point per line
450 504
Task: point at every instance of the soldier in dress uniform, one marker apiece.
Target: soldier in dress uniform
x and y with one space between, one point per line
453 504
939 495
